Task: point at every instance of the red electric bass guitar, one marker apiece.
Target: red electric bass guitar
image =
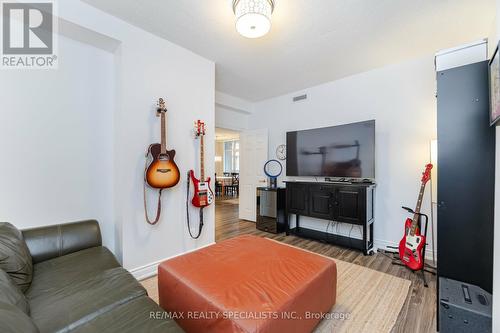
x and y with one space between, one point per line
412 244
203 195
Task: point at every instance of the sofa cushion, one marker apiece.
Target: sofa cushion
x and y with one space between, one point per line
15 258
73 304
57 240
52 275
13 320
139 315
11 294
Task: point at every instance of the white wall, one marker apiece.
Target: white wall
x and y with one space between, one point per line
231 112
229 119
149 67
145 67
187 83
56 138
401 98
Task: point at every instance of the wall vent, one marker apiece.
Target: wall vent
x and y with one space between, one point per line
300 98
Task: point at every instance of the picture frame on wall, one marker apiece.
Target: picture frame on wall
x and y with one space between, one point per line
494 77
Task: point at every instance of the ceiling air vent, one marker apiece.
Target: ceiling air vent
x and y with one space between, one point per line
300 98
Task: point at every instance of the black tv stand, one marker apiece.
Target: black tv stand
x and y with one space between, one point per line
351 203
349 180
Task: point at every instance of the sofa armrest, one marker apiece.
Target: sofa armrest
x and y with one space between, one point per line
57 240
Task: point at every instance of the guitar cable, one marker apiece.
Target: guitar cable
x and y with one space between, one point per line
187 212
158 205
350 239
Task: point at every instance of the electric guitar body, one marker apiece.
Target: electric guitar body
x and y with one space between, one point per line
203 195
412 244
411 247
162 171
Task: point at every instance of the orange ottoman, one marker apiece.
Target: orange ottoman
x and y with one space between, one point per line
247 284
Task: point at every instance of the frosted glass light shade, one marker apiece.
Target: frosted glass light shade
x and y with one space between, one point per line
253 17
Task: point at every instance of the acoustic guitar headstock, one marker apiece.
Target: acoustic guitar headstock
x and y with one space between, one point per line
160 107
199 128
426 175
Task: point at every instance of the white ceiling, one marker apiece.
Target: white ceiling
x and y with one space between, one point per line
311 41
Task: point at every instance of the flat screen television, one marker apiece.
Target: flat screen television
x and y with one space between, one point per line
345 151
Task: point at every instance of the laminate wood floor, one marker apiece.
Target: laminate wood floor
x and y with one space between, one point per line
419 311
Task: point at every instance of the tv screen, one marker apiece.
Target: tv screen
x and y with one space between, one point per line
345 151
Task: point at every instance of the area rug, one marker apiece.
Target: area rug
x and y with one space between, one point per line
367 300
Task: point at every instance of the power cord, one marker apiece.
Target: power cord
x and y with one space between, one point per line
327 234
350 239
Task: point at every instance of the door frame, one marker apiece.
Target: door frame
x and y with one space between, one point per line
247 210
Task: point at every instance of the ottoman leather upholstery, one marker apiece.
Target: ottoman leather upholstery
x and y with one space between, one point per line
247 284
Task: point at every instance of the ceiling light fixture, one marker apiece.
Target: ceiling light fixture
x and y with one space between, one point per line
253 17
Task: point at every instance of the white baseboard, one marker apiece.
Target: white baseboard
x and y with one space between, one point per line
384 245
149 270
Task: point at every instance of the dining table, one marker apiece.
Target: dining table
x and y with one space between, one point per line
224 181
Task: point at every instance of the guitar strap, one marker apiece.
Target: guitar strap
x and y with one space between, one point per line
158 208
187 213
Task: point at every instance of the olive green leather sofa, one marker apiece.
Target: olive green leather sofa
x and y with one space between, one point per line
61 279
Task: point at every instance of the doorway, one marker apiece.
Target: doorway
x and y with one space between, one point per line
227 167
239 161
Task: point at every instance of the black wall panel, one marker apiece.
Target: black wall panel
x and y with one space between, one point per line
466 176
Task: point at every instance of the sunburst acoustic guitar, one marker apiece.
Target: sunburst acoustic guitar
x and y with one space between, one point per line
160 172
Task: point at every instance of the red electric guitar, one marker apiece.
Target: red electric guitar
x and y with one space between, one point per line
410 247
203 195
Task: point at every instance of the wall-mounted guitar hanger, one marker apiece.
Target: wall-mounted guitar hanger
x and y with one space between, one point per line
160 170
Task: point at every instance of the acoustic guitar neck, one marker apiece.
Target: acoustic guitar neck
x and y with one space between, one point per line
163 133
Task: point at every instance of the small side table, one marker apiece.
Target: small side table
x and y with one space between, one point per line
271 209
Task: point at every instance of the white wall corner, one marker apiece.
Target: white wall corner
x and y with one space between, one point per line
149 270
